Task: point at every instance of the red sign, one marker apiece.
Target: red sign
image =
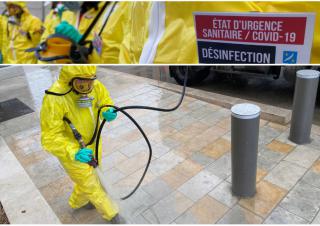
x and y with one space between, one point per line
253 29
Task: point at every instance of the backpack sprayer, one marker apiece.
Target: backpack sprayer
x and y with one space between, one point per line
61 49
98 129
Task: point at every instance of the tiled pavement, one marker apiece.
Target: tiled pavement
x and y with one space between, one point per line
189 179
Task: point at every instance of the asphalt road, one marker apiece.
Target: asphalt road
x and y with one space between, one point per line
264 90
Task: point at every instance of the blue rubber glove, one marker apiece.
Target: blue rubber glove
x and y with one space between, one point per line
66 29
1 58
84 155
109 115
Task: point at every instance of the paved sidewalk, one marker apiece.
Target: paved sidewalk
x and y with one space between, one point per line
189 179
21 200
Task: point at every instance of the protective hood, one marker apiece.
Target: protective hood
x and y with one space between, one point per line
67 73
21 4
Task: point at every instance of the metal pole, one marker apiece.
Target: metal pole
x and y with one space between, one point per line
305 95
245 120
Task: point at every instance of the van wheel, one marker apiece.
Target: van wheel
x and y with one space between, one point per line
196 74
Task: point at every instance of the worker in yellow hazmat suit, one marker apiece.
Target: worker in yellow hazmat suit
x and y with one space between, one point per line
57 14
77 95
113 33
21 31
164 32
85 13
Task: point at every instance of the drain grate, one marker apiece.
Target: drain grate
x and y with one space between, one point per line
3 216
13 108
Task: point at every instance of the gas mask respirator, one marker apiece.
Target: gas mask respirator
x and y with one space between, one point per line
13 20
14 10
82 87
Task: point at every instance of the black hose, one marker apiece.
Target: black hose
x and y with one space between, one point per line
97 132
144 107
144 136
162 109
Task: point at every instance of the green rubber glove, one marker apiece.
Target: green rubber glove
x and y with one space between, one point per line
66 29
109 115
84 155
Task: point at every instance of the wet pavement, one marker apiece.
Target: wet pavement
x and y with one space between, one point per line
189 178
265 90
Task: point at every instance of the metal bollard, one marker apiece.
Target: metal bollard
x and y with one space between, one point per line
245 120
304 100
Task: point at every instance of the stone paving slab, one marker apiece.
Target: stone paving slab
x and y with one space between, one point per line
312 178
190 171
303 156
205 211
285 174
168 209
199 185
303 201
21 200
223 194
316 219
266 199
270 113
282 216
11 72
240 215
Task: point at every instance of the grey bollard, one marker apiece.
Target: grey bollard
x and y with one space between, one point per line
245 120
304 101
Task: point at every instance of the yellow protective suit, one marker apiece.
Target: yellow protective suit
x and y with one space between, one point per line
164 32
52 20
113 34
21 37
83 25
57 137
3 39
110 50
1 33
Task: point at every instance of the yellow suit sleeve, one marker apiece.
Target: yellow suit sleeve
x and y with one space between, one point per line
47 26
113 34
54 136
36 31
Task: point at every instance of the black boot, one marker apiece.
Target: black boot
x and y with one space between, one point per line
89 206
118 219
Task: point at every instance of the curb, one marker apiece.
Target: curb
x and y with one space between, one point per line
268 112
20 198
